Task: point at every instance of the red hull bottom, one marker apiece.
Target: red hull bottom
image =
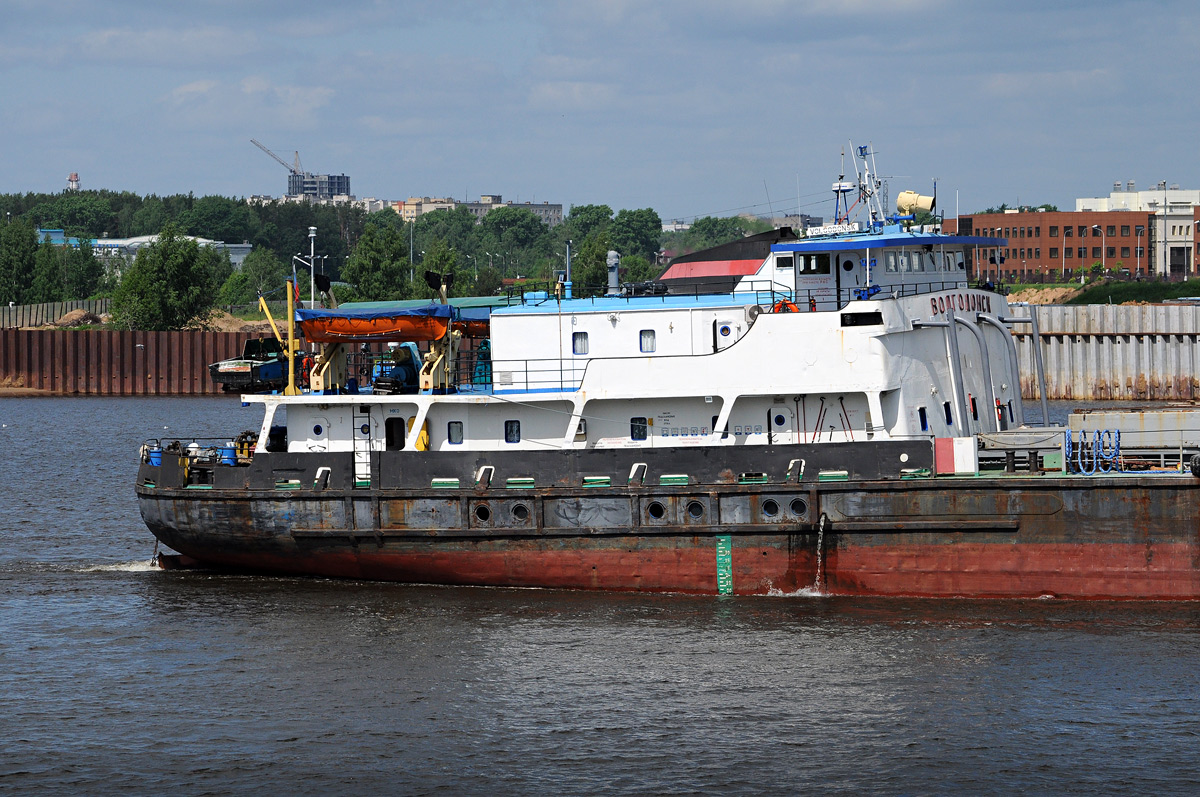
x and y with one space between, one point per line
964 568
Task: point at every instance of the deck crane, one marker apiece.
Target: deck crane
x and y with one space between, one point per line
293 168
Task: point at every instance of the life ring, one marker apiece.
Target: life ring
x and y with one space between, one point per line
784 306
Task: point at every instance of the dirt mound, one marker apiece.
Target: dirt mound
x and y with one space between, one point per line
1055 295
220 321
77 318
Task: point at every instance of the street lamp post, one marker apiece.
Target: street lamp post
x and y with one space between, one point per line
1103 247
1138 238
312 279
474 265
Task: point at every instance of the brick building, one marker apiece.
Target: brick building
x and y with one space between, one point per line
1049 243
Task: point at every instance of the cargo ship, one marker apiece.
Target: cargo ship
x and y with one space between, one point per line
844 417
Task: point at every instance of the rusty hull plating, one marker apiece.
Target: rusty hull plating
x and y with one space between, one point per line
865 532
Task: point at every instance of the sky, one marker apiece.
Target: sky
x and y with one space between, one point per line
690 107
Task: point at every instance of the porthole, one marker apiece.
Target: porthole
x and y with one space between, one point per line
780 420
799 507
520 512
770 508
656 510
482 513
695 510
318 430
365 428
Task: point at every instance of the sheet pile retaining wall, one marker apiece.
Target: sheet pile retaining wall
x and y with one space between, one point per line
1113 352
107 363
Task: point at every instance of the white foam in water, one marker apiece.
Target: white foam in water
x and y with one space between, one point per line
138 566
803 592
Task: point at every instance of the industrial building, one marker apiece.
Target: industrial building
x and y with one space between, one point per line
1133 233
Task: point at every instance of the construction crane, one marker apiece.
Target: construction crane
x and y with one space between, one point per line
293 168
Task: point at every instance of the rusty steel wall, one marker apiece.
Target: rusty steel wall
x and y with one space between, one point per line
1113 352
106 363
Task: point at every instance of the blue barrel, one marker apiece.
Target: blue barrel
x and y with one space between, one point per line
228 457
156 456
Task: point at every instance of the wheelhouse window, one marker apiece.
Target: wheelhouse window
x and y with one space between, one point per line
579 342
818 263
512 431
638 428
454 432
646 340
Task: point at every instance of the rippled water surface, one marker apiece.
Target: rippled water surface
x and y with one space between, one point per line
115 677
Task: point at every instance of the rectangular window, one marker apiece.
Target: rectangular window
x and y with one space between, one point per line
579 342
1125 230
1037 253
1068 253
889 262
1140 251
1054 231
1053 252
785 261
1037 232
1066 232
393 433
454 432
1020 232
1096 252
512 431
647 340
638 428
1110 251
1111 230
1082 231
924 419
1139 230
1124 251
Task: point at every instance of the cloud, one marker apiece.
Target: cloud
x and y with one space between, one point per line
253 103
573 95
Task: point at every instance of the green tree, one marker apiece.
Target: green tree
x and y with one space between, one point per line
589 266
46 285
18 251
261 273
513 228
636 268
171 284
441 258
713 231
636 232
583 220
81 272
378 268
488 283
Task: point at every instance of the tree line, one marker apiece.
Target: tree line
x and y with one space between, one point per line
376 256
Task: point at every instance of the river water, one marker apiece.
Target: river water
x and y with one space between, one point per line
117 678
